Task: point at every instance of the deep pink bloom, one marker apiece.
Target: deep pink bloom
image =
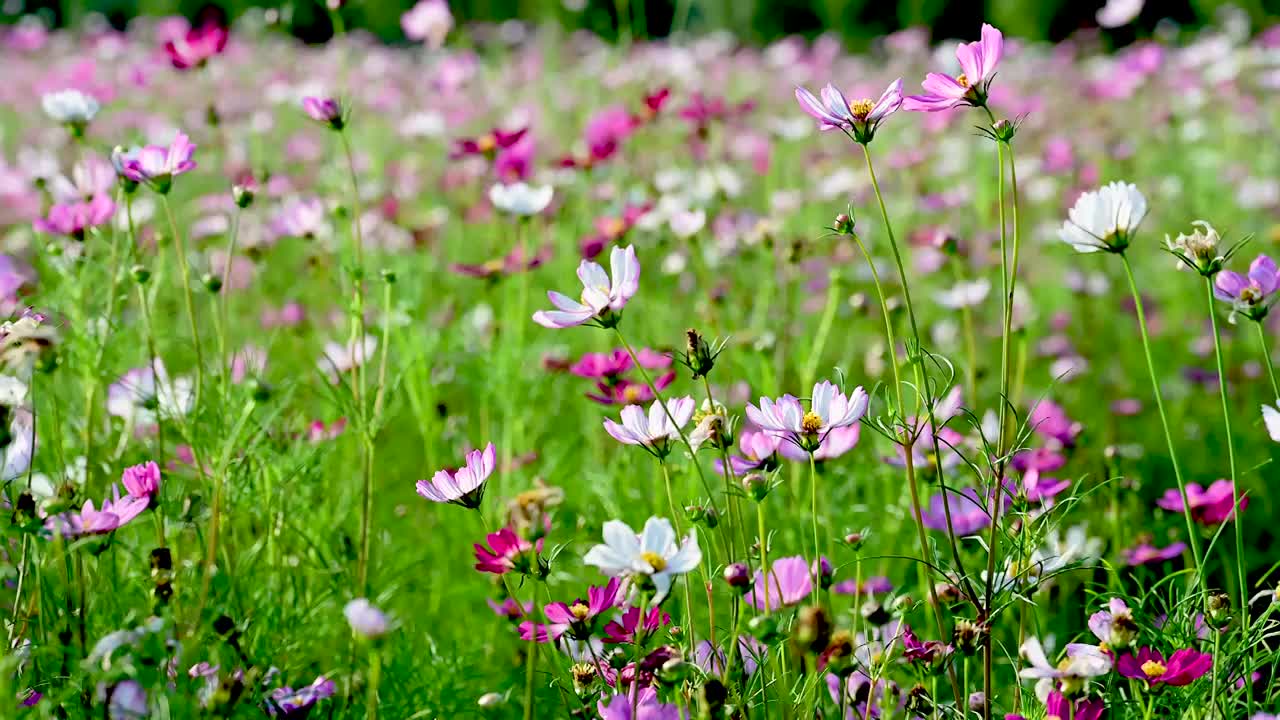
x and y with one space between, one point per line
978 62
157 165
74 219
611 229
629 392
859 119
509 608
1058 706
1182 668
515 162
142 481
759 451
915 650
790 582
614 364
1146 553
506 552
194 47
602 297
326 111
623 630
1250 296
605 132
115 513
1209 506
465 486
487 144
1042 489
1039 459
577 618
1050 421
968 513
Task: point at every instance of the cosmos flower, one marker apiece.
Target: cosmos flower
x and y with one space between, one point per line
1050 421
142 481
648 707
758 451
978 61
429 22
655 431
517 261
654 556
1105 219
74 219
874 585
1146 553
520 198
828 409
90 177
115 513
156 165
790 582
969 515
711 658
196 46
339 360
487 144
859 119
1082 663
834 444
964 294
285 702
70 107
1182 668
1250 296
326 111
144 395
1114 627
366 620
1058 707
464 487
602 299
1118 13
505 552
577 618
623 630
1271 418
1213 505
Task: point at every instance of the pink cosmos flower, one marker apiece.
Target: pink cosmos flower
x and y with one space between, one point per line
1058 706
623 630
326 111
1146 553
978 62
142 481
605 132
487 144
1050 421
577 618
628 392
90 177
828 409
1250 296
874 585
115 513
648 707
928 652
711 659
1209 506
790 582
509 608
505 552
157 165
465 487
834 444
859 119
74 219
1082 663
655 431
194 47
300 218
969 514
758 452
515 162
1182 668
429 21
1040 489
602 299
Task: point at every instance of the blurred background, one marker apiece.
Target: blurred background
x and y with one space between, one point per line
858 22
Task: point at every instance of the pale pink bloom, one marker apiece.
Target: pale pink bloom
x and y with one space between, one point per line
157 165
601 299
654 431
464 487
429 21
341 359
828 409
978 62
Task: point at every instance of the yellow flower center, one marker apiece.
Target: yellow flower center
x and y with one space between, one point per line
486 143
656 561
962 80
613 227
811 423
862 108
631 394
1151 668
494 265
579 611
1250 295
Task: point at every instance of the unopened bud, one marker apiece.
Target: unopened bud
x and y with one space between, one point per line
822 569
675 671
243 194
140 274
738 577
764 628
874 613
1217 610
967 637
1004 130
855 540
843 224
703 515
490 700
756 485
699 356
211 282
813 629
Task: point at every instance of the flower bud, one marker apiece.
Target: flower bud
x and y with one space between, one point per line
813 629
703 515
764 628
140 274
838 657
756 485
1217 610
366 620
822 569
843 224
874 613
738 577
243 194
211 282
675 671
967 637
1004 130
490 700
389 277
699 356
903 604
947 593
855 540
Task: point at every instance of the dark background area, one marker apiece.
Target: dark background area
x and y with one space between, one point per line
758 21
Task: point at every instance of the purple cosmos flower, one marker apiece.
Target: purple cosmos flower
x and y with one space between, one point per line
858 119
1209 506
506 552
789 583
194 47
577 618
1250 296
115 513
1182 668
711 658
655 431
834 444
157 165
285 702
509 608
618 707
828 409
465 486
922 450
1146 553
758 452
927 652
602 299
1050 421
74 219
978 62
874 585
1039 460
326 111
1042 489
1058 707
142 481
1114 627
365 619
624 629
969 514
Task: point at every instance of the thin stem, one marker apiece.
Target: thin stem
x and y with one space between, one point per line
1266 360
224 301
816 568
180 248
893 244
1192 538
735 512
1231 458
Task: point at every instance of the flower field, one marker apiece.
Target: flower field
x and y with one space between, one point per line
506 372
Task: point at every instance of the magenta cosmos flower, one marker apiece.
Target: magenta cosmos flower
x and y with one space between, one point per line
194 47
465 486
654 431
74 219
623 630
790 582
142 481
1182 668
506 552
1209 506
157 165
1146 553
1058 707
859 119
602 298
1250 296
759 451
978 62
115 513
326 111
828 409
577 618
618 707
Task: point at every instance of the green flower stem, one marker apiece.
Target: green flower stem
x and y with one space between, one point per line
180 249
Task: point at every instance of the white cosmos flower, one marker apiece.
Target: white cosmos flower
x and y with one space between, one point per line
653 555
1082 663
1105 219
687 223
339 359
965 294
70 106
1271 416
655 430
1118 13
521 198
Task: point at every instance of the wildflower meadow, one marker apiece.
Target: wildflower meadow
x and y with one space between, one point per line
509 372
